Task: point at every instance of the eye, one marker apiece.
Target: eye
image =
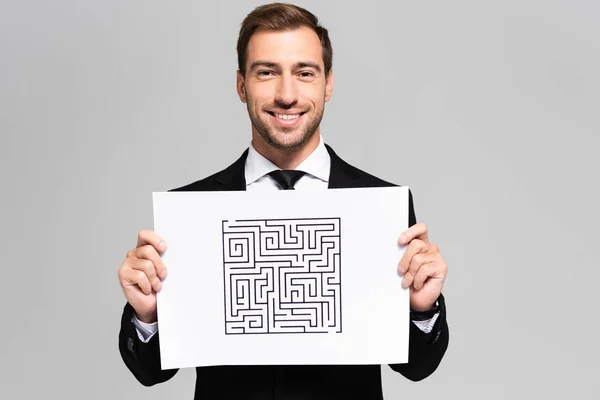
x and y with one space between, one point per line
306 76
265 74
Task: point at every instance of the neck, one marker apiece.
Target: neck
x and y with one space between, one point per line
285 159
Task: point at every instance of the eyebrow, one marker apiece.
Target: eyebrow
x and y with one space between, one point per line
308 64
299 64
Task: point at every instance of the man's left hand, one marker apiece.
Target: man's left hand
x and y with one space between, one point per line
423 268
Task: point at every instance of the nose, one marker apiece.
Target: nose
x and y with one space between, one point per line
287 93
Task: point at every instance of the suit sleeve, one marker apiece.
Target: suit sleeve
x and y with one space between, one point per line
425 350
142 359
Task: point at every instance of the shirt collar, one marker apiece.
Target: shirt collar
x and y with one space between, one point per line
317 164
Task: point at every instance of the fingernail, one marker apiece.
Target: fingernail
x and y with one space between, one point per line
158 287
162 246
163 274
404 283
403 238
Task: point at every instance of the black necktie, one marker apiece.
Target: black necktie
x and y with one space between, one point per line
287 178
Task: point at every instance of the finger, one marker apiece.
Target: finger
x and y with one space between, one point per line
423 273
431 271
138 278
417 231
406 280
418 261
146 236
415 247
147 267
148 252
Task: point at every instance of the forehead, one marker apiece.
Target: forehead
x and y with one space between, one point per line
285 47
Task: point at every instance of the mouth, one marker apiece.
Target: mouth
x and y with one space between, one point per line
286 119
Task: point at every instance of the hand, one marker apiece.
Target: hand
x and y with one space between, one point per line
423 268
141 275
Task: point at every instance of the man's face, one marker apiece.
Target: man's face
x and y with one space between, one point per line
285 87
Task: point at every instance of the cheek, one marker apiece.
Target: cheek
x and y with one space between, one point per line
316 94
258 100
261 91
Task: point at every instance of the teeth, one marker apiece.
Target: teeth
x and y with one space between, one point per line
287 117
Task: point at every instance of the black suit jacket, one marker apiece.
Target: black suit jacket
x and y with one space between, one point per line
288 381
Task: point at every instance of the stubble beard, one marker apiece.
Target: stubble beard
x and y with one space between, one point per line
266 132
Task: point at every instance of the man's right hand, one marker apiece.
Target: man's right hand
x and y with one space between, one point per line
141 275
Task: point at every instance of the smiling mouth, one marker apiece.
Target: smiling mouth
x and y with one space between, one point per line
287 117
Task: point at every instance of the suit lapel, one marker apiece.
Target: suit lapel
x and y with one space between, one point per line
341 176
233 177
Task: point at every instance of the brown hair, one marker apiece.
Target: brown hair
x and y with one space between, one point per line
281 17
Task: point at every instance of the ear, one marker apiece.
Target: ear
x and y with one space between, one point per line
241 87
329 85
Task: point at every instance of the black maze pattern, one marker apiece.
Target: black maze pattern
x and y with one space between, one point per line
282 276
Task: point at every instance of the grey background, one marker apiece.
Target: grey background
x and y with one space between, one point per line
488 110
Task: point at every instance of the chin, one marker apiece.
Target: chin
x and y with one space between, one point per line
287 145
287 140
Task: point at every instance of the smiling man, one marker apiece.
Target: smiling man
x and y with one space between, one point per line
285 83
285 77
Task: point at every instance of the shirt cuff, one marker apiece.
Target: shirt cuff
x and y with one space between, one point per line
427 325
144 331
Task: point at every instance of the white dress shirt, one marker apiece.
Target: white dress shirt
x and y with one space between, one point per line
317 166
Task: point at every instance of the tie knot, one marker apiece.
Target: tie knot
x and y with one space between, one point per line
286 178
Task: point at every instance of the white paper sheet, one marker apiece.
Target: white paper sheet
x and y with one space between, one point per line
286 277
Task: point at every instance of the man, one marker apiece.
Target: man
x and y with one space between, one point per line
285 78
